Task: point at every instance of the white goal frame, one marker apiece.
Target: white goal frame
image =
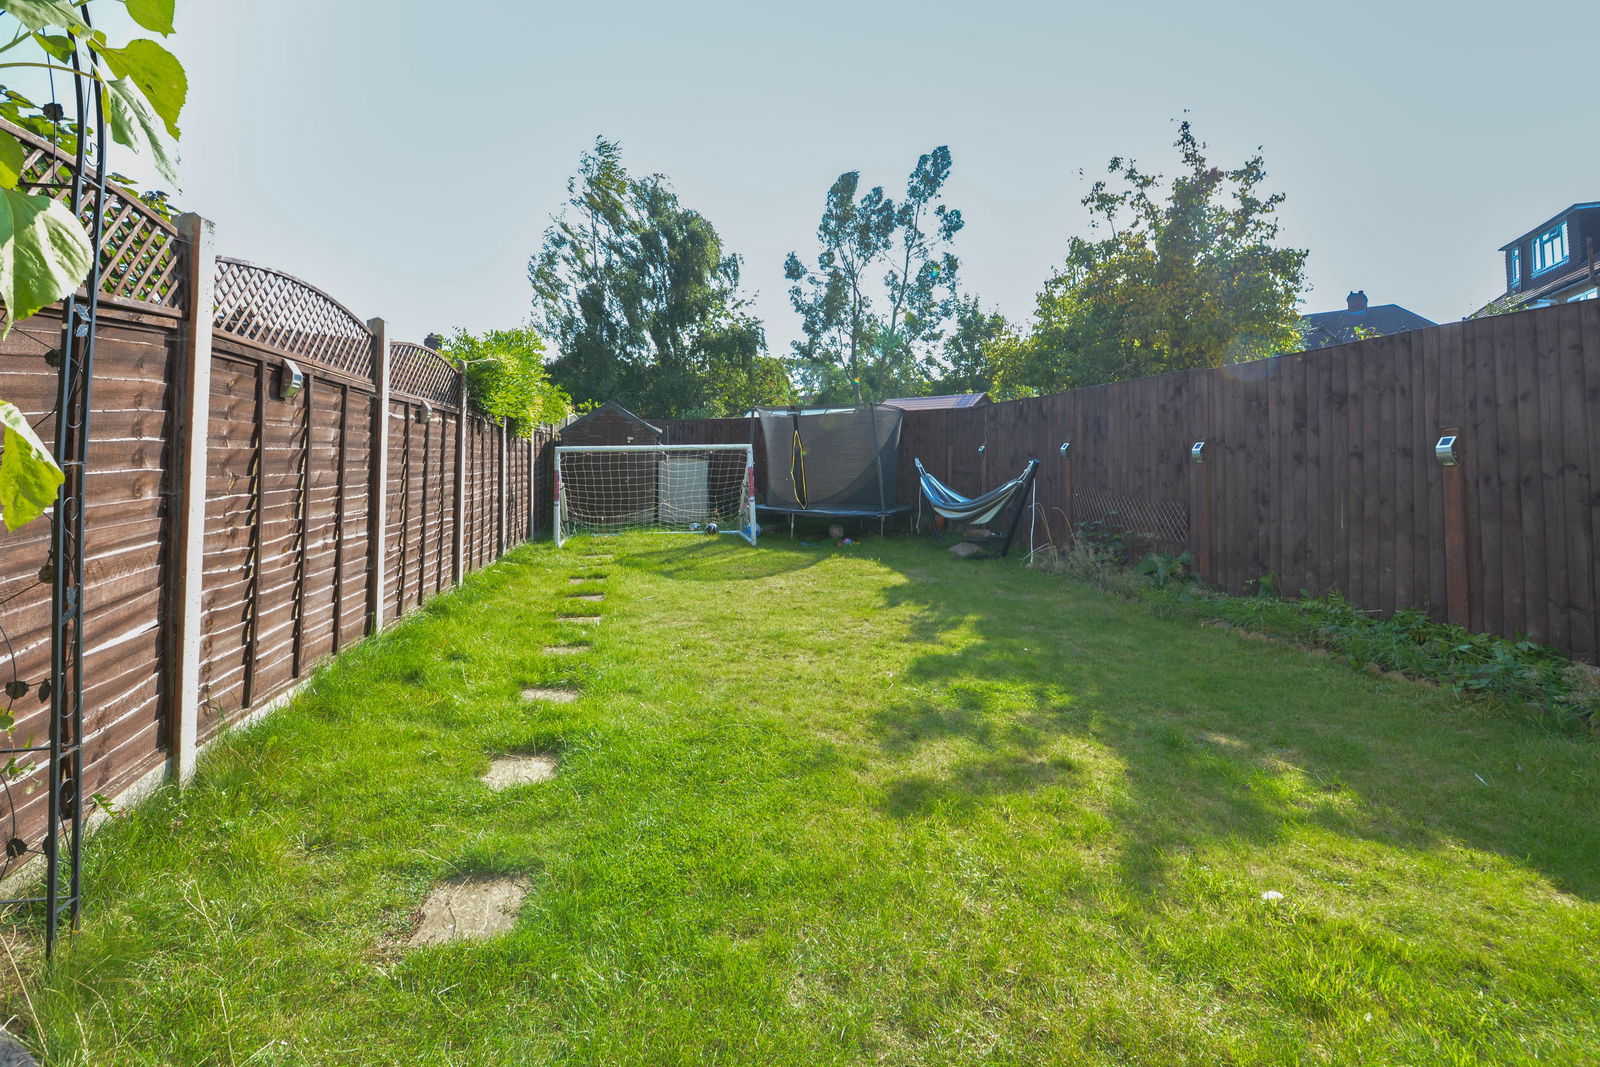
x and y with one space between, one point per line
750 530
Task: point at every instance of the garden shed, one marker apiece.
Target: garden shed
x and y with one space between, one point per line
609 424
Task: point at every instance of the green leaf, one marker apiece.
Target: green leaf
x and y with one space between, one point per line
153 15
133 125
56 44
13 154
38 15
156 72
29 476
44 254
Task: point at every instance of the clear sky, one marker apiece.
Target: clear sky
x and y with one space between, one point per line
407 156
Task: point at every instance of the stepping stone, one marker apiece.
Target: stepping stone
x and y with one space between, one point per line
584 619
14 1055
564 650
507 771
475 906
550 693
593 598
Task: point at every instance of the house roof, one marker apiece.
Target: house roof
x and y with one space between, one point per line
1340 327
611 407
1549 222
1583 273
951 400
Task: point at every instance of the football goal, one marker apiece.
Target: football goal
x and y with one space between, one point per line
672 488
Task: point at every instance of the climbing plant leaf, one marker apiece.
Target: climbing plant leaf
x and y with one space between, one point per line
44 254
29 478
156 72
37 15
153 15
133 125
12 157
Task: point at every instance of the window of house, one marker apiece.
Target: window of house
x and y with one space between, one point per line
1550 249
1516 267
1592 293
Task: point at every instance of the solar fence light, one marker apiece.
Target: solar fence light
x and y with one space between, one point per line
1064 446
425 413
290 380
1197 452
1445 451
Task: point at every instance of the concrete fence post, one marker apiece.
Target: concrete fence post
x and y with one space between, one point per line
194 406
458 547
503 535
378 499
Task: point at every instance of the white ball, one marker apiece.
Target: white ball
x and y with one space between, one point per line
711 527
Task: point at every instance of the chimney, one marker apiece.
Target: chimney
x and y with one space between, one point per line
433 341
1356 301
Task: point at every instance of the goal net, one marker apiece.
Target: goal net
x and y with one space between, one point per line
674 488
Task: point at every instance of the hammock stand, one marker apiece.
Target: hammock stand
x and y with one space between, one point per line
976 510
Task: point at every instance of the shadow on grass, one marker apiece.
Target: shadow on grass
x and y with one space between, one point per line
1218 739
718 559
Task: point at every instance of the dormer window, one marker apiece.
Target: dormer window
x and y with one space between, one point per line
1550 249
1515 259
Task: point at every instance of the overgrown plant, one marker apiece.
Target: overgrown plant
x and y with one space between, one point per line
1411 643
45 252
1109 537
1165 570
506 377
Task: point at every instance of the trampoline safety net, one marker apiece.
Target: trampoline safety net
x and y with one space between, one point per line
840 461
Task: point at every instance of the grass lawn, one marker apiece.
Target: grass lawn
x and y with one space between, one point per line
822 806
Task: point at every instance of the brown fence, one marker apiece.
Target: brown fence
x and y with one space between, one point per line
270 479
1319 469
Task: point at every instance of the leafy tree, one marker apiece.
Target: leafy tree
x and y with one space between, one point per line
45 254
870 335
1192 279
506 376
974 336
642 300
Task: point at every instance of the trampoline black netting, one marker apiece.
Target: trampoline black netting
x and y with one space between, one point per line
834 462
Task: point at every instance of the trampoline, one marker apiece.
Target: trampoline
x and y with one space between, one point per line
832 463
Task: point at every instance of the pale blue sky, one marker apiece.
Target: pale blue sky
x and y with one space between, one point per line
407 156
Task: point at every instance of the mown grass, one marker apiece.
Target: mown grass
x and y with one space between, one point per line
828 806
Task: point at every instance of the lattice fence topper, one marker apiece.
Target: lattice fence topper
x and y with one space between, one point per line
419 371
279 310
139 255
1161 522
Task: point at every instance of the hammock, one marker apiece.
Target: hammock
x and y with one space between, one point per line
977 510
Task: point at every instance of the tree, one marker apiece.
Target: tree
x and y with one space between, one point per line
974 336
1192 280
506 376
642 300
869 336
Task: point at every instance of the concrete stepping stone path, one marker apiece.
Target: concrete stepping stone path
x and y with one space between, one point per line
475 906
585 620
550 694
564 650
507 771
593 598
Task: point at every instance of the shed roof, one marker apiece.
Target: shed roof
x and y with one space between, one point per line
949 400
613 409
